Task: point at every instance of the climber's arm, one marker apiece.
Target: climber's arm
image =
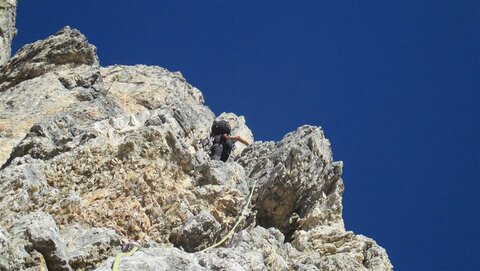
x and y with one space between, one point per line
237 138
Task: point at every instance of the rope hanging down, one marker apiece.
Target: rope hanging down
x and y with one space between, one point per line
120 255
236 224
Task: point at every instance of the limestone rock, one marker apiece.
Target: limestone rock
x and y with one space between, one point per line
143 87
7 28
94 158
57 82
252 249
67 49
297 178
197 232
255 249
41 231
331 248
219 173
156 259
85 248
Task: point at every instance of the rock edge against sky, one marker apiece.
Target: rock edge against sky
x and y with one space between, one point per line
96 157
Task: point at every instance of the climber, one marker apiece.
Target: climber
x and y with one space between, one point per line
223 143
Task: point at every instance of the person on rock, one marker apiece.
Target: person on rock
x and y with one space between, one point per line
223 143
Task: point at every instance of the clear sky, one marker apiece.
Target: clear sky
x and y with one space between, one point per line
394 84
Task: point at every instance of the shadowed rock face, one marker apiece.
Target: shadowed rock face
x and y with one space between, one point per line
98 157
300 185
7 28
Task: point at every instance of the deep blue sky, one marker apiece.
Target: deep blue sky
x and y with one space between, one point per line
394 84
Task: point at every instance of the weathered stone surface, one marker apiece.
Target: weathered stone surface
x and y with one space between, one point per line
332 248
67 49
7 28
298 179
143 87
157 259
255 249
219 173
251 249
50 87
94 158
85 248
197 232
42 233
35 242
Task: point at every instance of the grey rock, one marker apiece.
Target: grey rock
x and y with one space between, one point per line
198 232
48 82
148 87
255 249
87 247
7 28
23 185
107 156
219 173
296 176
154 259
51 137
18 255
43 234
67 49
4 237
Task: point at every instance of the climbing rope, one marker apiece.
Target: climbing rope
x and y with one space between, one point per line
116 264
119 256
236 224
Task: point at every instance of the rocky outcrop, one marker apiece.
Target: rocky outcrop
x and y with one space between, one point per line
95 158
8 11
51 91
35 242
300 185
256 249
197 232
67 49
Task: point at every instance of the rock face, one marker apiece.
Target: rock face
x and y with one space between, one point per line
51 89
7 28
97 157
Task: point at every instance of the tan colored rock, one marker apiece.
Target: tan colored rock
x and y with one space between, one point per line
99 157
335 249
43 80
141 87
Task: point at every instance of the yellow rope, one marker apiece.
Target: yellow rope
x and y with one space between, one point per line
236 224
120 255
131 252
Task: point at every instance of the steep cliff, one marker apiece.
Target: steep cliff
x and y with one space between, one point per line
97 157
7 28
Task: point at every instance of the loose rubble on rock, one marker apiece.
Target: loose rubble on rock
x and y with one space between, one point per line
97 157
